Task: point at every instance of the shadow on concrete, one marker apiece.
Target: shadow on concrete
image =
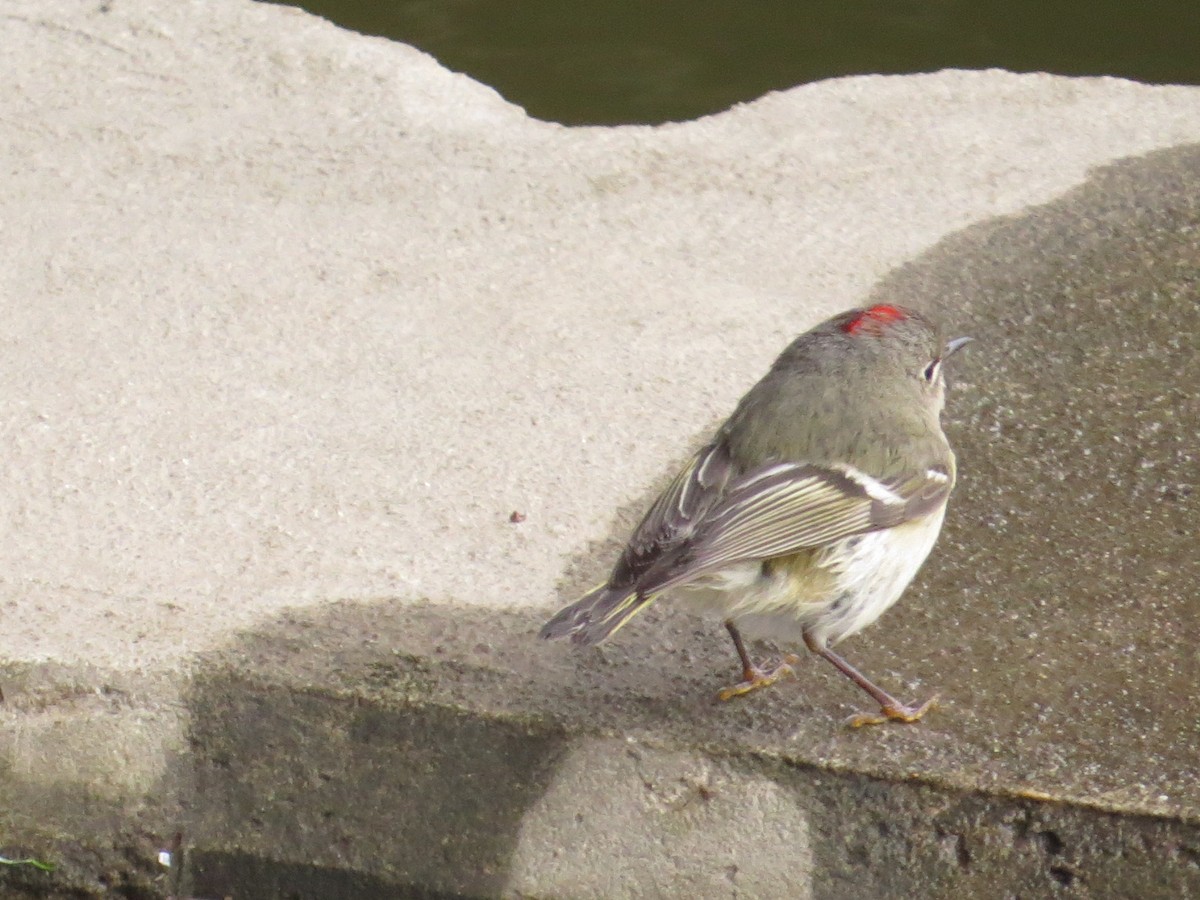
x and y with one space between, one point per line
1058 618
403 744
1069 560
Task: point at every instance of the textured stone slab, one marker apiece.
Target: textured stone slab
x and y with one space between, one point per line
296 319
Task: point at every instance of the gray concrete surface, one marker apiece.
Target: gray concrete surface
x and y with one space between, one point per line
294 319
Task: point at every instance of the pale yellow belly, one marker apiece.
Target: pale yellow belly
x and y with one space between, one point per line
831 594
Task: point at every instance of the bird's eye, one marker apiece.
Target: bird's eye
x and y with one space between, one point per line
931 370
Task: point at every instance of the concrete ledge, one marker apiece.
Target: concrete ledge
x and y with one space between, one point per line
296 319
475 770
438 758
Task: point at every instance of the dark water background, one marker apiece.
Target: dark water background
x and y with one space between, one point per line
626 61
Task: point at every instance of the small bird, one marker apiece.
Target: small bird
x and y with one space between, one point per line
812 508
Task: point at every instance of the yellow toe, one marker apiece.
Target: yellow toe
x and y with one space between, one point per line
907 714
757 679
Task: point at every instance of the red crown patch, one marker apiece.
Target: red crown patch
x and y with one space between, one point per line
871 321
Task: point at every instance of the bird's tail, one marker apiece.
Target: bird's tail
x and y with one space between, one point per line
596 615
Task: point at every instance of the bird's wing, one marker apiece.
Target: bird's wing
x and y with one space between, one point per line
673 517
787 507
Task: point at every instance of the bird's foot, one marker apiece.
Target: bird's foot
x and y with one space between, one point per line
754 678
889 712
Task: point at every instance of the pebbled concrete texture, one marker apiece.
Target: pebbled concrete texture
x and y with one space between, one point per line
295 320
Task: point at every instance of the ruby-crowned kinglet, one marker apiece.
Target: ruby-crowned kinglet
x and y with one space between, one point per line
813 507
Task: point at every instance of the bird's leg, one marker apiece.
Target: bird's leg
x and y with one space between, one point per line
889 706
753 677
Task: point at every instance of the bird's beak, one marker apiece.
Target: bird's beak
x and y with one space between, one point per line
955 345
